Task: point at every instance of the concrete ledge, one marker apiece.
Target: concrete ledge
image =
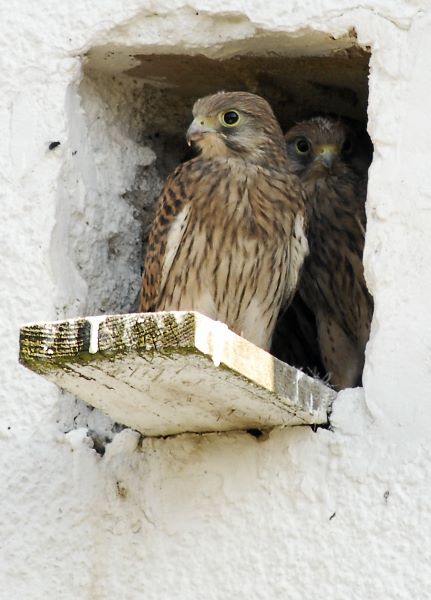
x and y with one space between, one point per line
172 372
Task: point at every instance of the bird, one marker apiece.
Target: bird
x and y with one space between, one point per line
229 237
331 157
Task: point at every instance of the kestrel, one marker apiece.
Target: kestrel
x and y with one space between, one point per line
229 234
331 160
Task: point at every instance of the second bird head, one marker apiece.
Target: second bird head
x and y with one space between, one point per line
326 146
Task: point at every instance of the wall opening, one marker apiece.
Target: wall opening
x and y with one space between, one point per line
128 134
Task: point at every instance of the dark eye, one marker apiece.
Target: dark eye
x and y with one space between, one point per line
347 146
302 146
230 118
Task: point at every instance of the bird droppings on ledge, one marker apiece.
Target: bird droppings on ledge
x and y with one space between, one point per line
173 372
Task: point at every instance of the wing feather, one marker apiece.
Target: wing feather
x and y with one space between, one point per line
298 248
158 259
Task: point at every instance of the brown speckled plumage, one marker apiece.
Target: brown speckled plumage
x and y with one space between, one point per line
228 238
332 283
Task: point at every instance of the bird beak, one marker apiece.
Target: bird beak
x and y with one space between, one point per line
327 154
197 128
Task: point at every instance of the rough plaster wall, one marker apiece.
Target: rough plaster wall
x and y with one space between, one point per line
342 513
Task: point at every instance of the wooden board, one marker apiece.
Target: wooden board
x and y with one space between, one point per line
172 372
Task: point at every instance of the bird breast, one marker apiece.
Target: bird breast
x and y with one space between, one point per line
227 254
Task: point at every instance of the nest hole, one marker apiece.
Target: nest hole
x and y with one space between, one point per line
136 108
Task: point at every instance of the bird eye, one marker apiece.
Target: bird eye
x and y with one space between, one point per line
230 118
302 146
347 146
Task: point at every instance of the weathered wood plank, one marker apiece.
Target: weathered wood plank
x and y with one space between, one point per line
168 373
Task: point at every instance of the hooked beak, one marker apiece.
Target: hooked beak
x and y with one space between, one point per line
197 128
327 154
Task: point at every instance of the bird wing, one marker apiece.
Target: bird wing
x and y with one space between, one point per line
170 218
298 248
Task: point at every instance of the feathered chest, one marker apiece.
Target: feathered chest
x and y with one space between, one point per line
333 278
239 201
228 241
336 216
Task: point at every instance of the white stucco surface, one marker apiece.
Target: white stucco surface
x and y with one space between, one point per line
342 513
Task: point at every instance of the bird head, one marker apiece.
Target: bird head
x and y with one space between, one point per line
325 146
236 125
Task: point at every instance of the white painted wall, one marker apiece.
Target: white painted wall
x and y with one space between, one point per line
219 516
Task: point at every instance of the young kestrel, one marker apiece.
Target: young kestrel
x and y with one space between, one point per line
332 161
228 238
